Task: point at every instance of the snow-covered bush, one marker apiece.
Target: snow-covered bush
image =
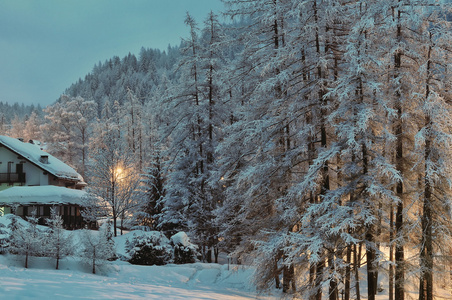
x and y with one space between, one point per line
4 239
184 251
149 248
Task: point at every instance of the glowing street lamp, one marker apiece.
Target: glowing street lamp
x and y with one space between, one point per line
118 173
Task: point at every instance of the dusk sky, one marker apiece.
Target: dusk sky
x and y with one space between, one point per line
47 45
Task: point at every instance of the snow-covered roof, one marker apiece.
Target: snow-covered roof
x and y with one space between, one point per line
35 155
45 194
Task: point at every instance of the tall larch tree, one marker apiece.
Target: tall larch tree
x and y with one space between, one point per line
195 106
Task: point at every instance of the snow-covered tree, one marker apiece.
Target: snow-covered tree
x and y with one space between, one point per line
68 129
32 130
133 121
151 193
113 176
58 242
98 246
17 127
195 107
432 146
281 142
26 239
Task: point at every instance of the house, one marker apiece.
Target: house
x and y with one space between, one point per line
31 179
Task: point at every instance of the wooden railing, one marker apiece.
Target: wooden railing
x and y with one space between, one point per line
12 177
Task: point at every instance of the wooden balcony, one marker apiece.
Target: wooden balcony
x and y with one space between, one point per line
12 177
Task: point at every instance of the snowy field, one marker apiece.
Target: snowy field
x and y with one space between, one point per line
121 280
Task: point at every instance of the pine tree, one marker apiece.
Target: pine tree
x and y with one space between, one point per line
152 192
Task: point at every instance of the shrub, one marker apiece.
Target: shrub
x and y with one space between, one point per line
184 251
4 239
149 248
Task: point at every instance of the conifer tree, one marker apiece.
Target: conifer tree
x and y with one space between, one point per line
195 105
152 193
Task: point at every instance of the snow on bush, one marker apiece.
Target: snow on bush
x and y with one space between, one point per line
95 247
181 238
4 239
184 251
148 248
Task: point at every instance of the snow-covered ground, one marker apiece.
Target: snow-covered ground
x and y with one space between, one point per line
120 280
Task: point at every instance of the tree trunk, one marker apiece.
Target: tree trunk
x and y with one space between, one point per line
209 255
391 254
94 260
122 223
216 252
319 279
426 254
356 265
113 203
370 255
347 273
289 279
276 273
399 249
312 273
333 292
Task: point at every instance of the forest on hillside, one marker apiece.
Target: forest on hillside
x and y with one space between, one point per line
309 138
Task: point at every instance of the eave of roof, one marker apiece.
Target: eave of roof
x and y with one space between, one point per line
47 195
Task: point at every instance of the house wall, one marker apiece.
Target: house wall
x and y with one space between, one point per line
33 174
4 210
55 181
70 213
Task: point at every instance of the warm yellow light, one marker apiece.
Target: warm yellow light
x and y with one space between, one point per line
119 173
